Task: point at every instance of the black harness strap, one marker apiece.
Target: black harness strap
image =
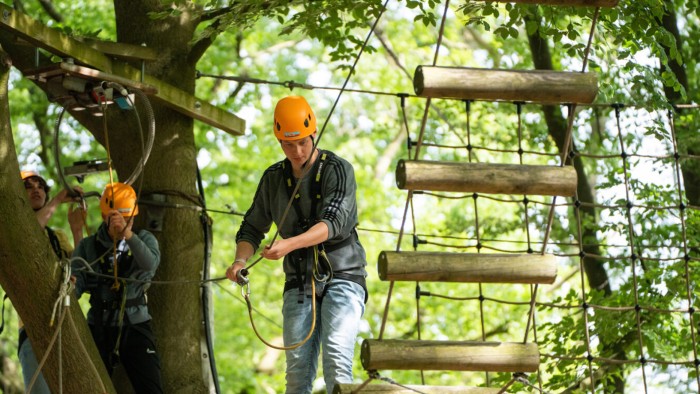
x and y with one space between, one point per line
2 325
55 243
315 190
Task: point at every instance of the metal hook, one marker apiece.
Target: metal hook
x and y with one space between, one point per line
245 290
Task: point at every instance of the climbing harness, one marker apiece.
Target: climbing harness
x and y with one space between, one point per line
322 270
107 301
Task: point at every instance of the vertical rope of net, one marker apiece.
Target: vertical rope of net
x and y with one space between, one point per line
475 197
631 238
584 293
686 249
567 151
409 200
533 287
409 197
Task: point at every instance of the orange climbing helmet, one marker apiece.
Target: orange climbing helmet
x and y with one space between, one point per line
121 197
28 174
294 119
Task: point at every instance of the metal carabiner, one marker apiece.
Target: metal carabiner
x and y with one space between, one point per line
243 281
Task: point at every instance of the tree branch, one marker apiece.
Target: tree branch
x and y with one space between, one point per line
47 5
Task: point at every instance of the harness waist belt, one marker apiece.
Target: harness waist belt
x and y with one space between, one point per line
359 279
116 304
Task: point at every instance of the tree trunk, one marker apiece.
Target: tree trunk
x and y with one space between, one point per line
171 171
31 276
687 138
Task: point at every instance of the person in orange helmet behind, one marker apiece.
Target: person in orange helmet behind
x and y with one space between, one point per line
319 245
44 207
118 317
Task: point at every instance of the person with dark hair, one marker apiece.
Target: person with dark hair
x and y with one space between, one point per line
320 247
125 260
44 208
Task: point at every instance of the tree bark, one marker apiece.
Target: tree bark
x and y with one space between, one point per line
30 275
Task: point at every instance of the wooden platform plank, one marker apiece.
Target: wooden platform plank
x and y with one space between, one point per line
385 388
486 178
539 86
395 354
467 267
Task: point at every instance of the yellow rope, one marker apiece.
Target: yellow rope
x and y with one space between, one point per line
246 295
291 347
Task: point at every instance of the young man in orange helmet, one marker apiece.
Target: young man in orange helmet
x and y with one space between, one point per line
322 223
118 317
44 208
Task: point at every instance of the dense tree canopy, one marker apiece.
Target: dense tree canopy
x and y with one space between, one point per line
627 242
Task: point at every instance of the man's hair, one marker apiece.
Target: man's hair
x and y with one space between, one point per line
42 183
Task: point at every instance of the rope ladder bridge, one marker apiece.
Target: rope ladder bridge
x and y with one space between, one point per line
419 176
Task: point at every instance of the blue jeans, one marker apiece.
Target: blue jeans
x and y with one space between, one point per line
337 323
29 365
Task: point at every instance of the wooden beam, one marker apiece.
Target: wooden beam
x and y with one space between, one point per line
570 3
190 105
65 46
486 178
121 50
538 86
349 388
467 267
397 354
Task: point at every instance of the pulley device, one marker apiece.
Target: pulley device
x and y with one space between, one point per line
79 88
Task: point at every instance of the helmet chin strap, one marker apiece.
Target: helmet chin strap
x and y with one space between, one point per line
313 151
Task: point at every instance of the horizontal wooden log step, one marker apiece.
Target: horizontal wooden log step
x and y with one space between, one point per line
539 86
486 178
385 388
570 3
467 267
394 354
